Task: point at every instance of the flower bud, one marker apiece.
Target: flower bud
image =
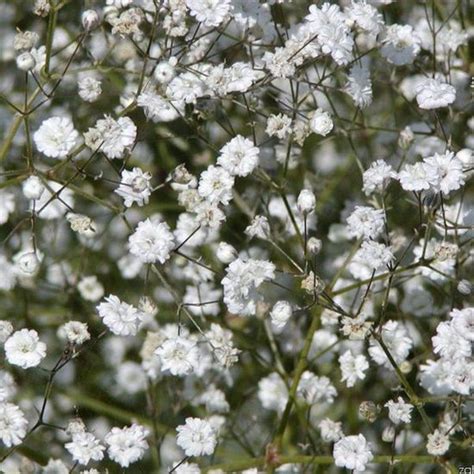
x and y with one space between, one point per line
226 253
369 411
321 122
25 62
465 287
306 201
314 245
388 434
312 284
147 305
406 367
406 138
90 20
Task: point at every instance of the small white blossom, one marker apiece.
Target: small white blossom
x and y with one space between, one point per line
196 437
23 348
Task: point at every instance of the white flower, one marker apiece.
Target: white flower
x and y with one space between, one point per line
23 348
196 437
157 108
313 389
433 94
239 156
81 224
365 222
377 177
7 205
401 44
8 387
278 126
89 88
438 443
134 187
12 424
33 187
6 328
74 332
273 393
334 37
463 322
85 447
352 367
321 122
352 452
121 318
179 355
259 227
449 343
331 431
359 85
397 341
365 16
151 242
127 445
215 185
371 257
280 314
399 411
90 288
241 283
56 137
112 137
444 172
209 12
414 177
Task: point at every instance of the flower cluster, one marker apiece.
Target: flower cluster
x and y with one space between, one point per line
236 235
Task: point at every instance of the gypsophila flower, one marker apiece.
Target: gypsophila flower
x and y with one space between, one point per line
56 137
401 44
209 12
33 187
89 89
444 172
196 437
433 94
134 187
239 156
112 137
180 355
365 222
352 452
463 322
352 367
151 242
359 85
278 126
313 389
23 348
414 177
13 424
215 185
7 205
121 318
8 387
399 411
377 177
259 227
85 447
438 443
127 445
6 328
74 332
306 201
90 288
331 431
241 284
273 393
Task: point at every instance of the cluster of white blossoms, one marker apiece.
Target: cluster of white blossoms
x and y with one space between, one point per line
240 230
